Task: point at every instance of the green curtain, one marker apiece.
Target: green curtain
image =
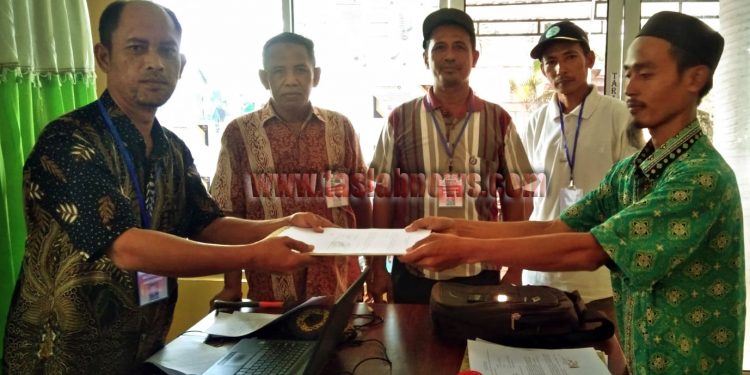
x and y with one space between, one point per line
46 69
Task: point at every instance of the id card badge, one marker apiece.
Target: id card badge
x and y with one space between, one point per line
337 190
450 191
151 288
568 196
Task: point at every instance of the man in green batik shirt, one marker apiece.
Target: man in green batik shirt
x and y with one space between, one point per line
667 221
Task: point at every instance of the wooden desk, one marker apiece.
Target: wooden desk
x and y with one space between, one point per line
407 334
415 348
412 345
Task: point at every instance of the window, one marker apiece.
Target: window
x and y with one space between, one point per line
506 33
370 54
223 42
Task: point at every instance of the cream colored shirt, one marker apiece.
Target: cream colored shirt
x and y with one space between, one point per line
602 141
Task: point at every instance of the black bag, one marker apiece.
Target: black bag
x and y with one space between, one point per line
523 316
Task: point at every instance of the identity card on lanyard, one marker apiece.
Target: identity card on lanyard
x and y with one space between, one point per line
450 191
450 188
151 288
570 194
337 189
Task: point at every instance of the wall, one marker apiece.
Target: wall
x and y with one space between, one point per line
195 294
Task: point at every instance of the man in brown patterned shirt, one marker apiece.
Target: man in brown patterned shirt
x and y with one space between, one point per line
115 210
287 157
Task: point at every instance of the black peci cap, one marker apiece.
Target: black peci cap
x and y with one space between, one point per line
447 16
687 33
564 30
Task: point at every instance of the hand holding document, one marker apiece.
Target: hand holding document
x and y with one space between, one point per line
489 359
341 241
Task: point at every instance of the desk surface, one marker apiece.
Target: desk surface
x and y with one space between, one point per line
410 341
406 332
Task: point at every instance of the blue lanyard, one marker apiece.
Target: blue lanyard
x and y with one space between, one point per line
145 214
446 145
571 159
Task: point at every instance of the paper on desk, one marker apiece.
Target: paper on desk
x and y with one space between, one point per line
172 359
239 323
493 359
371 241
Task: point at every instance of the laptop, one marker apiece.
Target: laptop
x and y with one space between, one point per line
307 357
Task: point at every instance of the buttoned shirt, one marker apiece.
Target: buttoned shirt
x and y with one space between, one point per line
670 219
411 152
602 142
267 170
74 310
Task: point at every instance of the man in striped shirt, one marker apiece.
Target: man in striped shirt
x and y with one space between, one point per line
448 153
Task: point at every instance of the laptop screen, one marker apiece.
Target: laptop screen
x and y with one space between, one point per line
337 320
311 357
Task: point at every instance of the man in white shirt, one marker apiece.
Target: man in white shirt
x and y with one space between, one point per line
596 136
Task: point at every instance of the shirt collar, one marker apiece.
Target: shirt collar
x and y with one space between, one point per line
433 103
268 113
652 162
590 104
130 134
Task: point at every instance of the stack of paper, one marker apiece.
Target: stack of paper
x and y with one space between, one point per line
491 359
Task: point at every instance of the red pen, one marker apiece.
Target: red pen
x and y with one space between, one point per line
218 304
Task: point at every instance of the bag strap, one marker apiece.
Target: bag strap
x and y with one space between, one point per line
593 325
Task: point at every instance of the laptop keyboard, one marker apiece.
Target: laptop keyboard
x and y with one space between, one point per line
275 357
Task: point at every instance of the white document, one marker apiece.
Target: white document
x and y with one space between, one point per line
494 359
187 354
341 241
239 323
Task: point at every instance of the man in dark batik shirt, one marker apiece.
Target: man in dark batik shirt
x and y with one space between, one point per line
115 209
